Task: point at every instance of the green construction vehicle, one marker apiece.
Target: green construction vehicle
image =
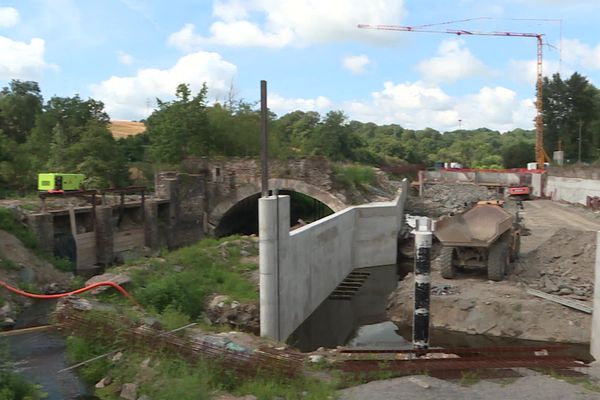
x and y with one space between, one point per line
60 183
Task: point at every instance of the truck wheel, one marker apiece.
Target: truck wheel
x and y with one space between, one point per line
447 268
498 261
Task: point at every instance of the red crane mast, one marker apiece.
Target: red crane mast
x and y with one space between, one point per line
540 153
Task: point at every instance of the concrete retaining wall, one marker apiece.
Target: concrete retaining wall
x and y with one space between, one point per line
573 190
298 270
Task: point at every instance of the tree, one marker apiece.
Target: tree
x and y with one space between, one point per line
20 103
568 107
180 128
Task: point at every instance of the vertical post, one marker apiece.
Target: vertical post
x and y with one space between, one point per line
595 334
264 143
579 154
421 174
268 236
423 236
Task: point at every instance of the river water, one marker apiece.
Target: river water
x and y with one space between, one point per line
362 322
38 356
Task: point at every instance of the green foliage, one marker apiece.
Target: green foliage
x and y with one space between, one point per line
12 385
354 175
207 267
9 223
7 264
80 350
180 128
181 381
571 106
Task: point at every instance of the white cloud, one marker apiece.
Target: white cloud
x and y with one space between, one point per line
125 58
525 71
288 22
576 53
9 17
418 105
453 63
128 97
281 105
21 60
356 64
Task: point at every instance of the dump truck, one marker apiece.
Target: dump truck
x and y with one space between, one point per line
486 236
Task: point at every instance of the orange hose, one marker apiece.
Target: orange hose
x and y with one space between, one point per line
74 292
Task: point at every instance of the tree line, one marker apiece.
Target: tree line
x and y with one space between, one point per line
70 134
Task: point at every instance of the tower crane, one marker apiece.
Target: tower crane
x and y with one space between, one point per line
540 153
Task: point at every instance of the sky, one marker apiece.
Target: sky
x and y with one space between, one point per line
127 53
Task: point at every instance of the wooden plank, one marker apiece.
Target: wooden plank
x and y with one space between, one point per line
16 332
577 305
129 240
86 249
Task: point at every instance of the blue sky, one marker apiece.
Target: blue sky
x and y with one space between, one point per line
129 52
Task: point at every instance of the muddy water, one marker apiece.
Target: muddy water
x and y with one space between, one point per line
38 356
361 322
386 335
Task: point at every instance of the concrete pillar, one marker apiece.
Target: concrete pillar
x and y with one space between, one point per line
43 227
171 188
273 230
595 334
423 238
269 266
151 237
104 235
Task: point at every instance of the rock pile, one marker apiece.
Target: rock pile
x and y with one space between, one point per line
442 199
222 310
563 265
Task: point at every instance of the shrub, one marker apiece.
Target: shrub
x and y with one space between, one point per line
354 175
9 223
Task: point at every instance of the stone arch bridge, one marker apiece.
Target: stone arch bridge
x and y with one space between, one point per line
202 196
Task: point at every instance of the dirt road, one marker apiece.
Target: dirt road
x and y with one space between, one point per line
544 217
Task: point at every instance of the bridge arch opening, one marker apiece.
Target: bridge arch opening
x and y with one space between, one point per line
242 217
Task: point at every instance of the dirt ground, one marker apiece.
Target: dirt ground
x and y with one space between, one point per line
557 257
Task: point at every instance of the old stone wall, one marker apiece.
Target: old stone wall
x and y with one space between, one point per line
314 170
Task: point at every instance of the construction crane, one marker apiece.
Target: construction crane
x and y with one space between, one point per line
540 153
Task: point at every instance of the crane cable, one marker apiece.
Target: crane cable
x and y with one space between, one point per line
71 293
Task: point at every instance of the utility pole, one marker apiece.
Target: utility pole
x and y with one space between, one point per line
264 142
579 157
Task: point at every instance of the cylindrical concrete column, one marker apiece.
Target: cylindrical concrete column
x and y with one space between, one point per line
268 233
423 236
595 334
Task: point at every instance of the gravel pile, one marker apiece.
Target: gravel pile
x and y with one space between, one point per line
441 199
563 265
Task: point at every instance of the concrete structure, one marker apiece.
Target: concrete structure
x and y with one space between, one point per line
299 269
595 334
572 190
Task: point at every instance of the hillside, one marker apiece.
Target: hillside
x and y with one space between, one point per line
121 129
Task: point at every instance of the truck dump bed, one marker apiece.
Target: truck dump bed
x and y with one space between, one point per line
478 227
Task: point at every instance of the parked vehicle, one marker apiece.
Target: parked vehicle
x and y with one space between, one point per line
486 236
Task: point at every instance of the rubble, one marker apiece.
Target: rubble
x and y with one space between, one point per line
441 199
563 265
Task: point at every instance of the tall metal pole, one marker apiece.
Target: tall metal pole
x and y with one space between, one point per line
264 143
423 237
579 154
